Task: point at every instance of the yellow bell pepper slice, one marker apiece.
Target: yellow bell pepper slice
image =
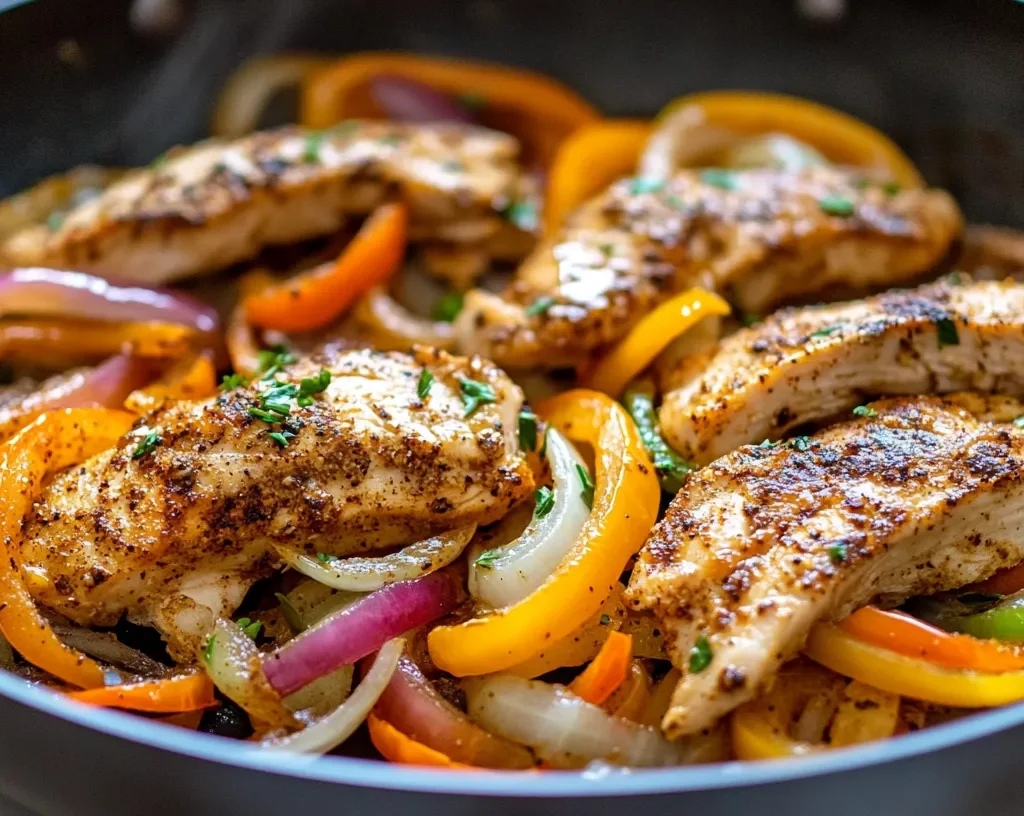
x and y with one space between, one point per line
625 507
908 676
650 337
588 161
841 138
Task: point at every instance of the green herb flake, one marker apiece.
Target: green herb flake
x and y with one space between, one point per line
605 620
271 361
391 140
475 394
539 306
208 649
315 385
266 416
159 162
825 331
946 329
587 487
448 307
891 188
281 409
672 469
544 501
232 381
700 655
250 627
472 102
487 559
291 615
836 205
675 202
607 250
748 319
801 443
523 214
716 177
55 220
147 445
640 185
311 147
280 439
326 558
767 443
954 279
864 411
544 445
527 430
838 551
424 384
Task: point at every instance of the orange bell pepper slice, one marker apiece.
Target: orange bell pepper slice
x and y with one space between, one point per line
190 378
536 108
395 746
606 672
54 441
650 336
841 138
625 507
62 343
170 695
590 160
314 299
912 637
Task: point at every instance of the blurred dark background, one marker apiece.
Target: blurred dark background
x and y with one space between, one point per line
89 81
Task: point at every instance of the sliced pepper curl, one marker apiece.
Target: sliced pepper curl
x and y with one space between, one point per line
913 677
167 695
809 710
651 336
535 108
588 161
625 507
313 299
606 672
396 747
54 441
707 123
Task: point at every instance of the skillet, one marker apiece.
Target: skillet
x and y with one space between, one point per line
79 84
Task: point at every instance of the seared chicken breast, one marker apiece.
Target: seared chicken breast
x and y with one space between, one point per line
173 525
208 206
918 497
757 236
807 364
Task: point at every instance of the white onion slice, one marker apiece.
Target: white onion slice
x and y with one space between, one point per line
369 574
568 732
336 727
522 566
681 139
322 696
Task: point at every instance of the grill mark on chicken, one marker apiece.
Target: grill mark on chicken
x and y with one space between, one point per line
808 364
766 541
201 509
766 239
208 206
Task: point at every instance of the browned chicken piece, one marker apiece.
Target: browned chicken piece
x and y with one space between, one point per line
992 252
918 497
173 533
205 207
759 237
808 364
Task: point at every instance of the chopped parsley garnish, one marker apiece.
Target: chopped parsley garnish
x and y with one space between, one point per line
838 551
424 383
311 148
605 620
675 202
607 250
250 627
891 188
587 487
266 416
825 331
836 205
147 445
700 655
767 443
309 386
392 140
1019 422
448 307
55 220
864 411
544 501
672 468
208 649
271 361
487 558
544 444
642 185
325 558
282 409
539 306
472 102
232 381
527 430
291 615
281 437
523 214
948 335
801 443
723 179
475 394
748 319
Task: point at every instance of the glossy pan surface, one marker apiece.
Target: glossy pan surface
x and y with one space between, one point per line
78 84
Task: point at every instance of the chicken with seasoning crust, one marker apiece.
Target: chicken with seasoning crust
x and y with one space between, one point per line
759 237
808 364
206 207
173 525
918 496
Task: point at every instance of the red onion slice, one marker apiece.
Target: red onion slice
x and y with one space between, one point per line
406 100
359 629
61 293
412 705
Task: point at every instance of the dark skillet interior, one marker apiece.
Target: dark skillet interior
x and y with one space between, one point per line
77 84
